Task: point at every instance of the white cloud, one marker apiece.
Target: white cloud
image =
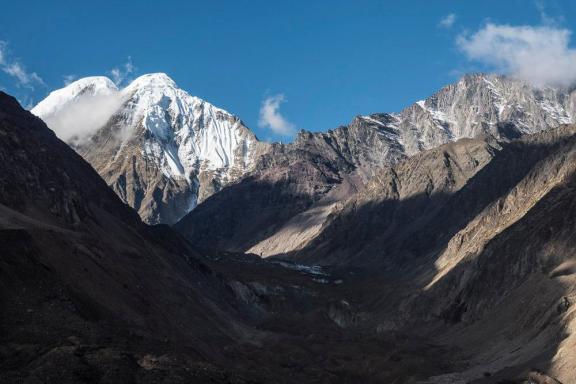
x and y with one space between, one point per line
123 73
17 70
447 21
82 118
270 116
69 79
538 54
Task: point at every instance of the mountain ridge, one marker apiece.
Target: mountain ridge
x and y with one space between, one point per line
477 105
164 151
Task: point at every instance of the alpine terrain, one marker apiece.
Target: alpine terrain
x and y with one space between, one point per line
318 170
429 246
164 151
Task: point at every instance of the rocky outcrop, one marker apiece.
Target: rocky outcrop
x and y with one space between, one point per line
476 106
479 104
470 244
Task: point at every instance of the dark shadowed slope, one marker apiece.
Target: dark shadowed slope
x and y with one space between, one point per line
287 181
88 292
504 284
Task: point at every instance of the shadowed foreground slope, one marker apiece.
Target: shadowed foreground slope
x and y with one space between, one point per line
86 290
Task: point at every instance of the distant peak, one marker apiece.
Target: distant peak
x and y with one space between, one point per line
96 81
483 77
86 86
152 80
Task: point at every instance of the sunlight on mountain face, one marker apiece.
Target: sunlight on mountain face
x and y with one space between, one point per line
149 236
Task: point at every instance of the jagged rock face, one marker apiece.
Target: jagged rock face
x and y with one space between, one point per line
388 222
483 104
364 145
286 181
477 105
159 148
480 104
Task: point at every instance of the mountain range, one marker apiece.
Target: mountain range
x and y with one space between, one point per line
164 151
428 246
475 106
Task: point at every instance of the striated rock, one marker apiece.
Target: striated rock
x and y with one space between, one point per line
476 106
476 253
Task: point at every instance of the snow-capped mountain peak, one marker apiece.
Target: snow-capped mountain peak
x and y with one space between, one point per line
88 86
158 79
176 147
483 104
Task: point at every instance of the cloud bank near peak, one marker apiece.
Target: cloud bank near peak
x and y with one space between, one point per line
79 120
271 118
540 55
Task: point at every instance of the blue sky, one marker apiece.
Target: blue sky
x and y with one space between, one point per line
316 64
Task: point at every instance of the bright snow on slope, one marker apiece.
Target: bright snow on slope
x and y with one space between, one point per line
187 132
59 99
